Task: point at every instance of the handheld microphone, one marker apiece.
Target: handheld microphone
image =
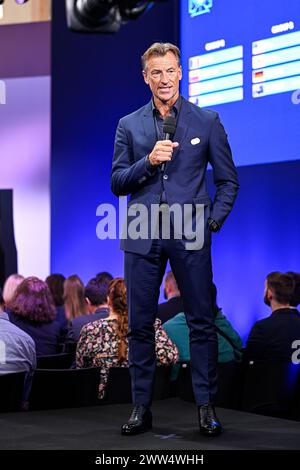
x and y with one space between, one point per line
169 129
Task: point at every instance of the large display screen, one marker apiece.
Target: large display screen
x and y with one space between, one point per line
242 59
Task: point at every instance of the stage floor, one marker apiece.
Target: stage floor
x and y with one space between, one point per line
175 428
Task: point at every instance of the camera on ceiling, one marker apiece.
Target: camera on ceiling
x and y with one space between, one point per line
104 16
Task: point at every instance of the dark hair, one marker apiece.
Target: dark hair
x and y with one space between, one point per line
215 307
33 301
96 290
118 301
1 298
55 283
104 276
283 287
295 300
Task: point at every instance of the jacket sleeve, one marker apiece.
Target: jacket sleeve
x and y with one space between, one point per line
166 351
81 350
127 175
224 172
224 324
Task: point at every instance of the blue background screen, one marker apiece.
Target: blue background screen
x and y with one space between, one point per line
242 59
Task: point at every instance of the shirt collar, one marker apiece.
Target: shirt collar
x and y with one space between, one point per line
175 107
285 310
174 296
3 316
102 309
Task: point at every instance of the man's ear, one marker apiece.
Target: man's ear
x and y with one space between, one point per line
270 294
180 72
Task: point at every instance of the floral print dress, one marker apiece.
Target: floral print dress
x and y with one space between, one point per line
98 347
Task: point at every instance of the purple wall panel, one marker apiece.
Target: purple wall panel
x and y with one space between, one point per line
25 50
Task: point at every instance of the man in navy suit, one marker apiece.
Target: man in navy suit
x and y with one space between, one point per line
95 294
155 171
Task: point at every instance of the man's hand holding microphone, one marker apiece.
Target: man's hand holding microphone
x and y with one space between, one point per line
162 152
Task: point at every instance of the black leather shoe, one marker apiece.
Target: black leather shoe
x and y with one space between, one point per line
139 421
208 421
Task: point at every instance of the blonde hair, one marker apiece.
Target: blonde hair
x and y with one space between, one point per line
160 49
10 286
75 305
170 280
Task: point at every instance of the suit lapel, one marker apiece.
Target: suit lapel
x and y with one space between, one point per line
183 121
149 126
182 126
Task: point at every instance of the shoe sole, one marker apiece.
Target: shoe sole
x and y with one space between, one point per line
136 433
211 434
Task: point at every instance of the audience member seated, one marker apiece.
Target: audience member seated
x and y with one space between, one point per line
17 350
174 304
10 287
32 309
74 302
55 282
271 338
104 276
95 293
229 342
104 342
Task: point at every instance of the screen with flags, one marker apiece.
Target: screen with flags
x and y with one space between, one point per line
242 59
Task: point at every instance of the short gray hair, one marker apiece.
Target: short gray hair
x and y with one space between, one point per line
160 49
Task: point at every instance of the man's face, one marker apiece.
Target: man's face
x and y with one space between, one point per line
163 75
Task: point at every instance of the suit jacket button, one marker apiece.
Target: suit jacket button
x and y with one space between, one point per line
165 177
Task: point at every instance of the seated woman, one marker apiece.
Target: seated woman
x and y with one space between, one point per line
10 286
32 309
55 282
103 342
74 302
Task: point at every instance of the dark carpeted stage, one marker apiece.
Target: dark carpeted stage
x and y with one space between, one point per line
175 428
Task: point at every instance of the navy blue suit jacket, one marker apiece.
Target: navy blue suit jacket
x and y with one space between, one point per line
48 337
185 181
78 322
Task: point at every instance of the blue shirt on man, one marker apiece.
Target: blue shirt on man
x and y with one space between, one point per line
17 348
17 352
